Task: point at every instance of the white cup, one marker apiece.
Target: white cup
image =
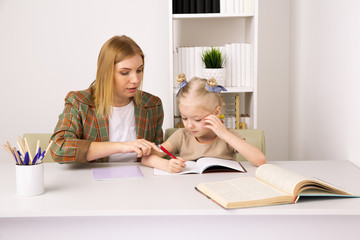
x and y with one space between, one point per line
30 179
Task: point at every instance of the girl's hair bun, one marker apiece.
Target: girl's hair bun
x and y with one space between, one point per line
180 78
211 82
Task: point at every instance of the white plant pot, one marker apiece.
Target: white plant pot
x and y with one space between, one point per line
218 73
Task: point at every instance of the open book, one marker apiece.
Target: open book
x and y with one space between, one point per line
272 185
205 165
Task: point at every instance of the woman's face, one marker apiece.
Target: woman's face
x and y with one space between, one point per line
128 75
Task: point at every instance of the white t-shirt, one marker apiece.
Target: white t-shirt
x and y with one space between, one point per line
122 129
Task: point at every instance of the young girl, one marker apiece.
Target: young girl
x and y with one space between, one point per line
204 134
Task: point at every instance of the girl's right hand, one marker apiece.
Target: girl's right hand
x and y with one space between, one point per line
176 165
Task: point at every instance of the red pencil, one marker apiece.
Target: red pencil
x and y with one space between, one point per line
167 152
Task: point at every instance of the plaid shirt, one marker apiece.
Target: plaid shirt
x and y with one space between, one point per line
79 125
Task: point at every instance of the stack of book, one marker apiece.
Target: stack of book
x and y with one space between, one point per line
212 6
196 6
236 6
187 60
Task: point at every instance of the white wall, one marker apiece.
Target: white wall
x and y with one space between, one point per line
308 79
325 75
274 76
48 48
308 107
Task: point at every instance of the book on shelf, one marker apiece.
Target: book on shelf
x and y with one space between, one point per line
222 6
200 6
177 6
191 61
236 6
216 6
187 61
247 65
230 6
183 58
248 6
207 165
239 62
199 65
228 65
193 6
208 6
272 185
234 66
186 6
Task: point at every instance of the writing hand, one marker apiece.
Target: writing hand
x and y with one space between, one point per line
176 165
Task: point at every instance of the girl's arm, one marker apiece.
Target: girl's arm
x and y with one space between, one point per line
248 151
156 160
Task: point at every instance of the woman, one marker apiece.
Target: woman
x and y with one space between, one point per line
112 120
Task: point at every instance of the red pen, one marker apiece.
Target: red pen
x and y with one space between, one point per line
166 151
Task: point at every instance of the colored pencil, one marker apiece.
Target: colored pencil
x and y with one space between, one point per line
167 152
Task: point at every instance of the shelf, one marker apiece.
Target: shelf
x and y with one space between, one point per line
237 90
188 32
229 90
211 15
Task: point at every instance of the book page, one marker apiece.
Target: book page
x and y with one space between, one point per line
279 177
244 189
321 188
206 162
191 167
319 193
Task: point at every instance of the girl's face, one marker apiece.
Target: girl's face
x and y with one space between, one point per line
192 118
128 75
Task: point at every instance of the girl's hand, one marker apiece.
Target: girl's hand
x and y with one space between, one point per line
215 124
142 147
176 165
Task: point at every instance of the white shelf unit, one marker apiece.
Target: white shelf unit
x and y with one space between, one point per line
217 29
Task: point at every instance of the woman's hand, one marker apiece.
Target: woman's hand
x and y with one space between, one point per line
142 147
215 124
176 165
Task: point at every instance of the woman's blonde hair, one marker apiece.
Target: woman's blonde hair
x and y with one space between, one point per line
196 90
115 50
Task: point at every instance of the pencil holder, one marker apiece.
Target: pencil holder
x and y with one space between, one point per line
30 179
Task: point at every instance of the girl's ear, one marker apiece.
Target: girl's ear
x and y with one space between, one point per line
217 111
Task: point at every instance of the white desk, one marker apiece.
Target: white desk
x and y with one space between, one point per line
74 206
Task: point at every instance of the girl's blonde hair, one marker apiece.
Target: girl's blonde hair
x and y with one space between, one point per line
196 91
115 50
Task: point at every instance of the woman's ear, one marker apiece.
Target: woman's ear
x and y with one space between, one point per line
217 111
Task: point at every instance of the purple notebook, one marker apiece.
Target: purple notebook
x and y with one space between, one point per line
116 172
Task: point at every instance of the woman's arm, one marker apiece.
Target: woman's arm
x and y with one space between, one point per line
142 148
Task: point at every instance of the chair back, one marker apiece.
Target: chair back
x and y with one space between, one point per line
255 137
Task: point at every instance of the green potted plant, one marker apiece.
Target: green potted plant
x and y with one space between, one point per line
213 60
